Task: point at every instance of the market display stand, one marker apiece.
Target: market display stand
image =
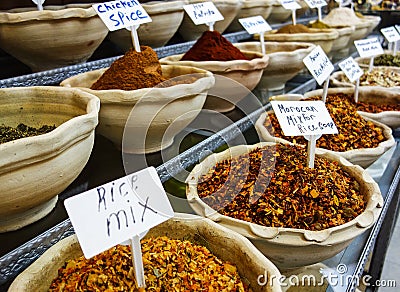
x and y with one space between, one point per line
22 247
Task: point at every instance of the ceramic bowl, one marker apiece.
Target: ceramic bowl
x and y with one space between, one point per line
159 113
278 14
319 37
222 242
290 247
55 37
242 72
371 95
228 8
167 15
251 8
373 21
341 46
285 61
363 157
34 170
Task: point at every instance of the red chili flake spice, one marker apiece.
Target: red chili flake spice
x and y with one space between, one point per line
355 132
272 186
169 265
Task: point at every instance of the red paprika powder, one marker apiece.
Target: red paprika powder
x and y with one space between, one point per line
212 46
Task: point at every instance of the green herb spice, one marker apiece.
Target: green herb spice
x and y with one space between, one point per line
387 60
8 134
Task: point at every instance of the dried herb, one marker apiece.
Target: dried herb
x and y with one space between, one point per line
354 131
387 60
8 134
371 107
272 186
378 76
169 265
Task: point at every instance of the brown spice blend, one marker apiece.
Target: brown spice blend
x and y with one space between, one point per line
294 28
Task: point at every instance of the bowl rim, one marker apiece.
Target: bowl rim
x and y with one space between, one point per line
280 235
159 6
326 34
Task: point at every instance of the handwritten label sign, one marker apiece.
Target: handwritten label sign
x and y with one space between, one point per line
121 14
316 3
319 65
290 4
391 34
39 4
351 69
114 212
255 24
204 12
368 47
299 118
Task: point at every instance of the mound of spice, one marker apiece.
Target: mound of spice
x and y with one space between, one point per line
272 186
8 133
212 46
354 131
387 60
342 16
132 71
378 76
371 107
294 28
169 265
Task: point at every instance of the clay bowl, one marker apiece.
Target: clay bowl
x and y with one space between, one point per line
285 61
371 95
251 8
55 37
278 14
319 37
289 247
159 113
363 157
34 170
167 15
244 73
228 8
222 242
373 21
341 45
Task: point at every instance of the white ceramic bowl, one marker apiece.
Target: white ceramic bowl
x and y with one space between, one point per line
290 247
228 8
319 37
167 15
34 170
285 61
55 37
251 8
156 110
363 157
245 72
222 242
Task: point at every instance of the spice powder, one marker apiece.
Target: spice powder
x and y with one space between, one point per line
8 133
272 186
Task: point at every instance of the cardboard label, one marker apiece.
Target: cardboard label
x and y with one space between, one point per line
368 47
319 65
351 69
121 14
204 12
255 24
391 34
290 4
315 3
114 212
300 118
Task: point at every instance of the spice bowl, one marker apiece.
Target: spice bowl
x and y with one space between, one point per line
146 120
286 247
227 245
228 8
278 14
165 14
35 169
362 156
373 21
285 61
55 37
245 75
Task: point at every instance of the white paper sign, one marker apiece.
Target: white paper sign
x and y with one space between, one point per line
299 118
315 3
391 34
255 24
368 47
351 69
121 14
114 212
319 65
290 4
204 12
